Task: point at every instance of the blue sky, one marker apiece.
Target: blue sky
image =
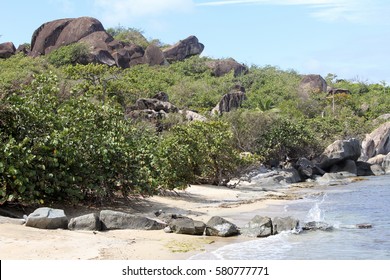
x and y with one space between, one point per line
350 38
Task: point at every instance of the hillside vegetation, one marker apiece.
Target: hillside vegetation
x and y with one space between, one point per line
64 135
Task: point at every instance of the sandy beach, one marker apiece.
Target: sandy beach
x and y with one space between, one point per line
18 242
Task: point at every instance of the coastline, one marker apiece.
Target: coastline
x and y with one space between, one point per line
237 205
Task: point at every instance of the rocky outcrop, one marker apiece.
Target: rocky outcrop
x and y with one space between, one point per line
377 142
47 218
284 224
85 222
7 50
339 152
312 84
102 47
183 49
230 101
258 227
222 67
118 220
218 226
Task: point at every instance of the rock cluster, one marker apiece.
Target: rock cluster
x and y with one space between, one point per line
102 47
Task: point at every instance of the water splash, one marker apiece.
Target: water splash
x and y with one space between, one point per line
316 214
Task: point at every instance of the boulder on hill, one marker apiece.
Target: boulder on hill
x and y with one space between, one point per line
222 67
311 84
103 48
54 34
183 49
230 101
7 50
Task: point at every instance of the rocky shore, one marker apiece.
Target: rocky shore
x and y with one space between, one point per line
182 223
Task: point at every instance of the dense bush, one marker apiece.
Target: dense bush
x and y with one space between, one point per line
69 55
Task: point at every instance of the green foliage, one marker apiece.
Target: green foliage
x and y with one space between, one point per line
131 35
17 71
69 55
197 152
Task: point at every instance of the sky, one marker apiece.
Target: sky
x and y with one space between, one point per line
348 38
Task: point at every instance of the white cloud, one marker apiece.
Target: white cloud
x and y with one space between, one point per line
122 11
329 10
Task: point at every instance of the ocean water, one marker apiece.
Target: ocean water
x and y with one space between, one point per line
343 207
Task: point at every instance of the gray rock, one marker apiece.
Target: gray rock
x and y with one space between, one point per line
377 142
258 227
47 218
230 101
184 225
317 226
307 169
192 116
377 170
284 224
382 161
338 152
218 226
333 179
119 220
363 226
86 222
183 49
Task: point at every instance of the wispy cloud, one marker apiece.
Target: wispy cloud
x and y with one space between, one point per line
330 10
122 11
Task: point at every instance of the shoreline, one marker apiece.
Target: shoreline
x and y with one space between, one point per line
199 202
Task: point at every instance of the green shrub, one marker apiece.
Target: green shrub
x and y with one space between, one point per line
69 55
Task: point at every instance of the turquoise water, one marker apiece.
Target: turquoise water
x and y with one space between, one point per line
343 207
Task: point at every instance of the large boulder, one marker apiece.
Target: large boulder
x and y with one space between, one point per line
218 226
85 222
284 224
183 49
340 151
312 84
258 227
230 101
185 225
224 66
119 220
7 50
154 56
52 35
47 218
377 142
